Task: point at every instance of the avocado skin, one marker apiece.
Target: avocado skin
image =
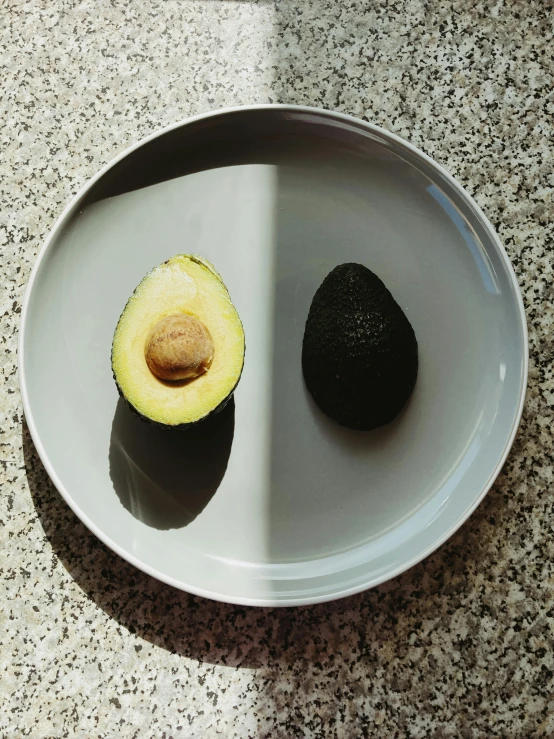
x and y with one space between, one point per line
359 354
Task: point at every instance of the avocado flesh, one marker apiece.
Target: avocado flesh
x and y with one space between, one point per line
185 284
359 354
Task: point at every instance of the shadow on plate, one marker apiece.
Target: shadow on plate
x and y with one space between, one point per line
239 636
167 478
354 442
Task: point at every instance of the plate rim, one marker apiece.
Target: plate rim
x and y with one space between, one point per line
289 601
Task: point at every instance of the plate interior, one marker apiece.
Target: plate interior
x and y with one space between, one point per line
272 501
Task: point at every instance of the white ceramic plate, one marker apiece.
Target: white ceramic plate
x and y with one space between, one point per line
272 503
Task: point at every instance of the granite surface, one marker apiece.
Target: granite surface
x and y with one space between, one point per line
461 645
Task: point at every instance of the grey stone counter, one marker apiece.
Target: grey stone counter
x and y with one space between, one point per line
461 645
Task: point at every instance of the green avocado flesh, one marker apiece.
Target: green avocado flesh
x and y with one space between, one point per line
359 354
185 285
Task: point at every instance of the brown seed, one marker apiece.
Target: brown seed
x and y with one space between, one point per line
179 347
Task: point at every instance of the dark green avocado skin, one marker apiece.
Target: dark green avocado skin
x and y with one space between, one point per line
359 354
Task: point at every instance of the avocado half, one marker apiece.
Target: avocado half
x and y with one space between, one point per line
185 285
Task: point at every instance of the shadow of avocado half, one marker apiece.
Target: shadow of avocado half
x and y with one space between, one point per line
165 479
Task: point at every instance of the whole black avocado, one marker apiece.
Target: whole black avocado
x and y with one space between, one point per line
359 354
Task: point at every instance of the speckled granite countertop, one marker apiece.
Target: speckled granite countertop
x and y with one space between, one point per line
461 645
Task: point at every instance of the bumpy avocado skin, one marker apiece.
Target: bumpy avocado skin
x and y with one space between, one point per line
224 402
359 354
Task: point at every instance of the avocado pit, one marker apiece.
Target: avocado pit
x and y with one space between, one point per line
179 347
